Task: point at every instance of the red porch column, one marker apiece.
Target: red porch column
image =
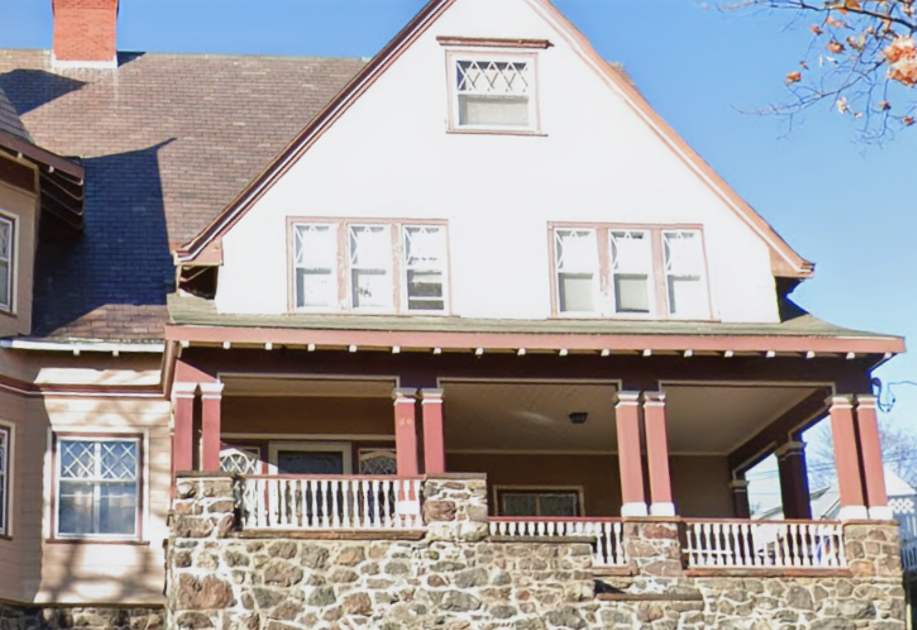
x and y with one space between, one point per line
405 432
657 454
434 446
211 397
846 459
630 458
183 426
794 482
739 489
871 452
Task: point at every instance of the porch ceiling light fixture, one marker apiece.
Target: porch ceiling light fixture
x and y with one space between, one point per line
579 417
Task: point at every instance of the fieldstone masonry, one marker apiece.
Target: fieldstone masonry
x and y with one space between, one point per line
19 617
457 578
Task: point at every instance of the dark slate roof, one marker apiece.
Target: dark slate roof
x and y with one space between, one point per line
167 142
9 118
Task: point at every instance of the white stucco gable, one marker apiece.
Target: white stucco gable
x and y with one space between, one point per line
596 158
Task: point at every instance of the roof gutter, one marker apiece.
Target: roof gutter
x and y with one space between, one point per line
76 347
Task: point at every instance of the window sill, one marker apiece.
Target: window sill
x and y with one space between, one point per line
96 541
497 132
6 537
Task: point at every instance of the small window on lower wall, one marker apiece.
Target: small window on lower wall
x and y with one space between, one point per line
5 452
540 502
242 460
98 484
378 462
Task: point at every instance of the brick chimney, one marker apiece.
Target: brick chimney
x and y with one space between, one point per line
84 33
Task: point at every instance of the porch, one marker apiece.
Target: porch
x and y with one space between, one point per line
342 446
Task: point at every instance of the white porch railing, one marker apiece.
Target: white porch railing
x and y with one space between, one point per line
803 544
291 502
608 548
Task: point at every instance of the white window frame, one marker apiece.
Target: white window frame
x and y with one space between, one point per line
140 481
333 228
703 279
389 267
454 58
653 312
345 448
7 301
406 268
596 272
6 485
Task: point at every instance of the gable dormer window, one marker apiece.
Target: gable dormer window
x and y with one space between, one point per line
6 264
370 253
493 92
315 266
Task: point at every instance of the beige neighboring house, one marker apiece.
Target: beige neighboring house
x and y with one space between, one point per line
231 264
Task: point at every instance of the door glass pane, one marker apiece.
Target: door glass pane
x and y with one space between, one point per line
559 504
310 462
518 504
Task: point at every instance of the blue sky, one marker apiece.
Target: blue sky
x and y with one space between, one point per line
844 204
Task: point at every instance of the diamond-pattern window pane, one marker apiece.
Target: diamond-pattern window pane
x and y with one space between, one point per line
315 246
378 463
631 252
493 77
119 460
425 247
6 239
544 503
683 253
576 250
243 461
77 460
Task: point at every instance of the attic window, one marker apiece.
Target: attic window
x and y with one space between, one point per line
493 93
6 264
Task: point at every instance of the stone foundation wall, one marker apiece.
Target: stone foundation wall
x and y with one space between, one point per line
21 617
456 578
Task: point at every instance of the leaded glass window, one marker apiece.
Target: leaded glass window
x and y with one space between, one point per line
632 271
684 271
315 266
494 94
98 487
539 503
242 460
6 263
378 462
371 267
577 263
425 267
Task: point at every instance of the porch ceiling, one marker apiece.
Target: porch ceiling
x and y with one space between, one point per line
530 416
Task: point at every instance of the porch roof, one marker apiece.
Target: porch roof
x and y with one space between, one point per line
197 320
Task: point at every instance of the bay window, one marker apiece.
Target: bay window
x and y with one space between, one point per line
98 487
646 271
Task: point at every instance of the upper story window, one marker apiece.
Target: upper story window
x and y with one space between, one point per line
4 479
493 92
98 487
6 263
630 272
370 266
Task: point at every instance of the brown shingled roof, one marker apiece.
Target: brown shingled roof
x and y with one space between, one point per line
167 142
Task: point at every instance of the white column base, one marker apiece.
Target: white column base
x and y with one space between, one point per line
633 509
853 513
881 513
662 509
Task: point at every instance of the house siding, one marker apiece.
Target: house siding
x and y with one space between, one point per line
388 156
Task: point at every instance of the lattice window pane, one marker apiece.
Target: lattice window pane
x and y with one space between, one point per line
517 504
425 254
494 93
315 260
382 462
370 265
98 487
566 504
685 282
577 263
241 460
4 479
